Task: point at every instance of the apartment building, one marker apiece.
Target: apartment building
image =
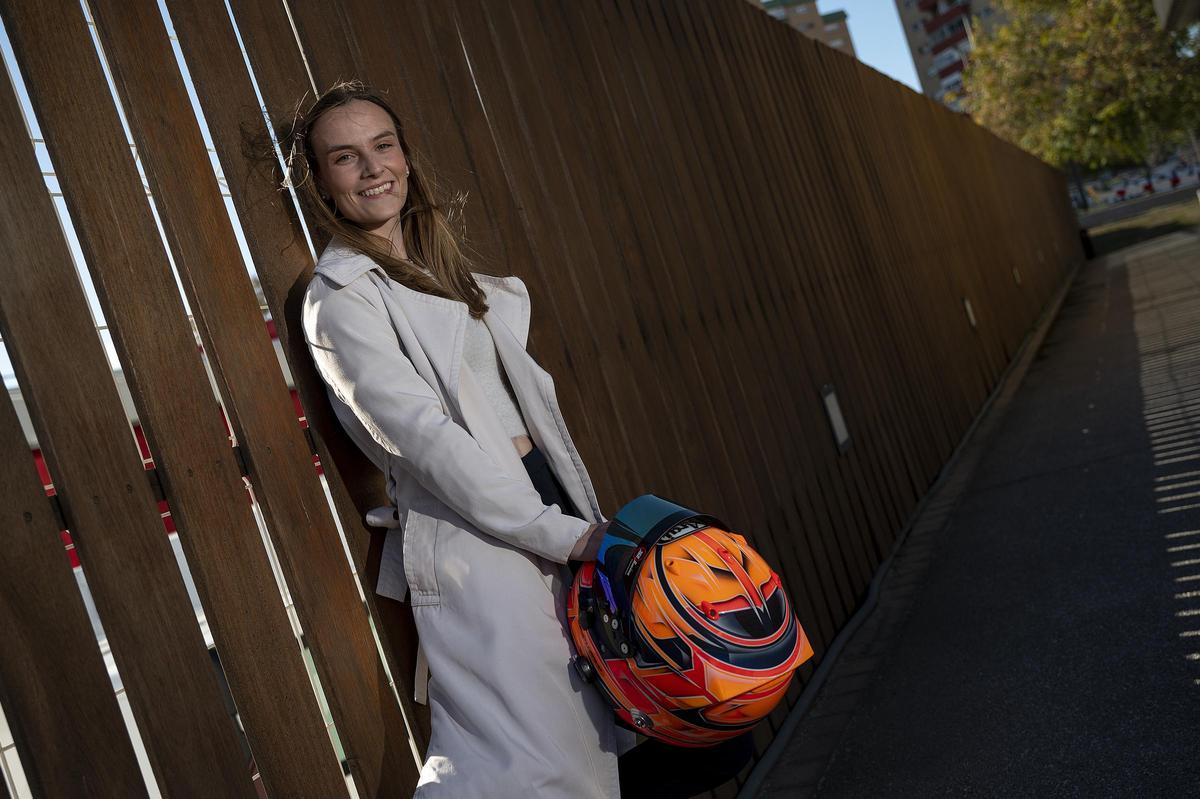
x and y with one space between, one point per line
940 35
830 29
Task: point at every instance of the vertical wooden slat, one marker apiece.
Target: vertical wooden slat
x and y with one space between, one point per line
283 262
54 686
622 371
851 330
821 350
173 690
535 173
684 247
336 626
824 361
797 418
674 334
202 478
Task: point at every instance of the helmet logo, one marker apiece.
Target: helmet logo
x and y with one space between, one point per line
682 529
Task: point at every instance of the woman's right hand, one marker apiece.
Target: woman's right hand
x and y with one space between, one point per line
588 545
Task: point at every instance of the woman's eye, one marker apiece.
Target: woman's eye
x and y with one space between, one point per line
341 158
385 144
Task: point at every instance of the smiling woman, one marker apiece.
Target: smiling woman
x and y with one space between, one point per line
426 370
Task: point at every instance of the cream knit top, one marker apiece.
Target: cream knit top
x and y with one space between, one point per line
479 351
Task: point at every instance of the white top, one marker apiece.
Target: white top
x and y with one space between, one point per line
479 351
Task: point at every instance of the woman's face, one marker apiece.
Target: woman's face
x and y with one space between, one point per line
360 164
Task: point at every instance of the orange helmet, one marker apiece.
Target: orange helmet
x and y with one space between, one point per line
685 628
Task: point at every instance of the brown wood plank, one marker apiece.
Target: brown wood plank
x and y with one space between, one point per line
782 427
564 335
209 504
802 419
54 686
640 390
327 40
99 476
875 383
798 314
855 391
385 45
707 31
811 343
284 262
914 419
369 721
672 333
682 242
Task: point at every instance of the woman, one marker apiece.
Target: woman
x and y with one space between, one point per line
426 369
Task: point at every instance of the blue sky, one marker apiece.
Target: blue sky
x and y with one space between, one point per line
878 38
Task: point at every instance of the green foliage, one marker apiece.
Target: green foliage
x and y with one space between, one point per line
1093 82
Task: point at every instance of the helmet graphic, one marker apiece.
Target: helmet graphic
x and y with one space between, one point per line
684 627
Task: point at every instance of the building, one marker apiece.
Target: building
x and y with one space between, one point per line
939 34
803 15
1176 14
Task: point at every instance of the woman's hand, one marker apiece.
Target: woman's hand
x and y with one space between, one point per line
588 545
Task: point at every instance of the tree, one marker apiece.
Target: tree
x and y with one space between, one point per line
1090 82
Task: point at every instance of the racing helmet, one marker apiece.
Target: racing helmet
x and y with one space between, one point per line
685 629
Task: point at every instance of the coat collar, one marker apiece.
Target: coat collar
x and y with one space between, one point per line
507 296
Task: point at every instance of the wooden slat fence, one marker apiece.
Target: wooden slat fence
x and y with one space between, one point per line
720 220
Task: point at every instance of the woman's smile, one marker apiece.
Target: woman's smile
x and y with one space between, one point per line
377 190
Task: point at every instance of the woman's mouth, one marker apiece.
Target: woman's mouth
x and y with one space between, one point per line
376 191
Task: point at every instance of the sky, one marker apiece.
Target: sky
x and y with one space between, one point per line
878 38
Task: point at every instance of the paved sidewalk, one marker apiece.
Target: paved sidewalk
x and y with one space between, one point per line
1039 633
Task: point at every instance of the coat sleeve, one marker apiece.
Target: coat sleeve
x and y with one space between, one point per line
359 356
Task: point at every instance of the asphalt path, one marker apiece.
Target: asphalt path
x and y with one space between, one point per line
1053 648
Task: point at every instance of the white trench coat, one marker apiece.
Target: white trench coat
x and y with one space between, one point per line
478 554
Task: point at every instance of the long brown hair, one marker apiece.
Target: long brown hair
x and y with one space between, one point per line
430 239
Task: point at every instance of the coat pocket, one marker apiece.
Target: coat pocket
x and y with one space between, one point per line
420 557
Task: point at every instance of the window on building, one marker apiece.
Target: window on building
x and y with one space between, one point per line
951 29
837 42
945 58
